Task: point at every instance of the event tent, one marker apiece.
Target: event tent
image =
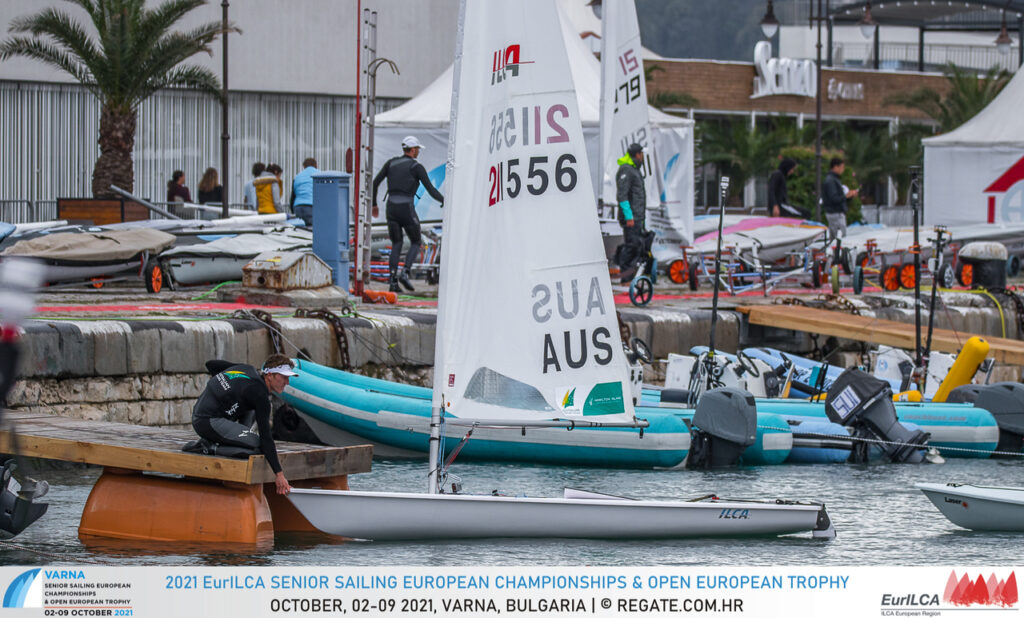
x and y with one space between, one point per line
427 116
975 173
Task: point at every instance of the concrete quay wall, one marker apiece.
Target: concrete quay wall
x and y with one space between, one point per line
150 371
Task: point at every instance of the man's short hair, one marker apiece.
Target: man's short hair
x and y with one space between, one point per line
309 162
257 168
835 162
276 360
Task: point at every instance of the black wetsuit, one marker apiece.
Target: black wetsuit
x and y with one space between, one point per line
235 397
404 175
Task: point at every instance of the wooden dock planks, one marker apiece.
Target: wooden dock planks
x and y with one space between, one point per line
158 449
873 330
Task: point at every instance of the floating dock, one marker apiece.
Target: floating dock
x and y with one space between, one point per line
151 490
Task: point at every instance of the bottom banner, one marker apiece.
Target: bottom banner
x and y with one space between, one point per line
787 592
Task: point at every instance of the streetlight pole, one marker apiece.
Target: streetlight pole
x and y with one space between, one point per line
225 137
817 17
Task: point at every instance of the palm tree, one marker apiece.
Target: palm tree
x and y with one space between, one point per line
740 152
131 54
968 94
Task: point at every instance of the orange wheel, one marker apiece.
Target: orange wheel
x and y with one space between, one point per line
154 278
679 271
965 273
97 282
907 276
891 278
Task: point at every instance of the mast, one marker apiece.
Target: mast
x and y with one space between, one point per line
604 122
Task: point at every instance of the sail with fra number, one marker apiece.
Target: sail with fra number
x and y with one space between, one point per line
526 325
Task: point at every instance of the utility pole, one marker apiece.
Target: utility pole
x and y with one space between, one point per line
225 136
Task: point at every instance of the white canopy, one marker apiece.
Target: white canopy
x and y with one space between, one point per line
974 173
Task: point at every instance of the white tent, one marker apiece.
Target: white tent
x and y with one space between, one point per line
975 174
427 115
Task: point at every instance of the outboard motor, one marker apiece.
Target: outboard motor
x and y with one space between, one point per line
1005 401
864 403
724 425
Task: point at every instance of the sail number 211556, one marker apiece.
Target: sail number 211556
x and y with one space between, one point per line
529 126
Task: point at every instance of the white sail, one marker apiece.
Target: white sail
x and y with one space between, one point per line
526 325
624 114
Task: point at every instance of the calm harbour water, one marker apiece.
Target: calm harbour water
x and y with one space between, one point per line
879 517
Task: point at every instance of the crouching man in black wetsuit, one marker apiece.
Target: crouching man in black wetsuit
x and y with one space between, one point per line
404 175
232 416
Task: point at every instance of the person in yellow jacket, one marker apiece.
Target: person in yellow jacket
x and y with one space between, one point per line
268 190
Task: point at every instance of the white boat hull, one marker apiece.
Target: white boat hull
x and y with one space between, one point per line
978 508
387 516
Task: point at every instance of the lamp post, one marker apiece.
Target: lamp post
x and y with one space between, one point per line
1003 41
225 136
817 18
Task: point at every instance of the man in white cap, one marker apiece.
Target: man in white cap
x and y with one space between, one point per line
404 175
232 416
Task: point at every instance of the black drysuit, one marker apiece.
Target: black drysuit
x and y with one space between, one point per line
404 175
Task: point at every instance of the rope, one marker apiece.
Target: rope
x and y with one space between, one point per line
212 290
894 443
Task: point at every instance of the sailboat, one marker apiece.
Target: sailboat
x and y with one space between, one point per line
527 336
626 119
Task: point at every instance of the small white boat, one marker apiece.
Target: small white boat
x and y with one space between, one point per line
978 507
387 516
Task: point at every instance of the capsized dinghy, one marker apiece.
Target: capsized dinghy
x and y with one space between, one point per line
978 507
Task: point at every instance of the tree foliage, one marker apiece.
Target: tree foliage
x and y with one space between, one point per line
968 94
123 53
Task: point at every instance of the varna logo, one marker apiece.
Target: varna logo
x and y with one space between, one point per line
505 64
980 591
25 591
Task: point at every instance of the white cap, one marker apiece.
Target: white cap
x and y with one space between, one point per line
411 142
284 370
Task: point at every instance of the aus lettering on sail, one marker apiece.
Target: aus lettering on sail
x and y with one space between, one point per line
573 309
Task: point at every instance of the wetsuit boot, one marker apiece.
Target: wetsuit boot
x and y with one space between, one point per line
393 285
403 278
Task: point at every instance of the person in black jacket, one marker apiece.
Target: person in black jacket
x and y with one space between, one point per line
833 197
631 195
778 194
234 410
404 175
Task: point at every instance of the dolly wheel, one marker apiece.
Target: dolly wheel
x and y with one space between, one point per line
908 276
891 278
965 274
641 290
97 282
818 273
693 278
835 279
154 278
946 278
679 271
858 279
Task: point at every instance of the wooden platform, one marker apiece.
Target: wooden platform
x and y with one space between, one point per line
158 449
873 330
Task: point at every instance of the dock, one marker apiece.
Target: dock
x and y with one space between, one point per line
151 490
874 330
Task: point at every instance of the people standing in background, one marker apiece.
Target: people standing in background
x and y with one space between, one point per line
833 198
177 193
249 193
176 189
632 197
778 193
210 190
302 191
268 192
404 175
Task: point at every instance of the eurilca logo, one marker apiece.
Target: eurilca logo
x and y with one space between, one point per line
981 591
505 64
25 591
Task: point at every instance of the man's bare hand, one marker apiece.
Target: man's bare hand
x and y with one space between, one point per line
629 223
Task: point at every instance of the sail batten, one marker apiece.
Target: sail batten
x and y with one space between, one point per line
526 318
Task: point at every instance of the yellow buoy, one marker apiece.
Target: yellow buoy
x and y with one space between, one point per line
966 365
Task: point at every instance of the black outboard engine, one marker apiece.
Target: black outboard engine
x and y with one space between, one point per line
864 403
1005 401
724 425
